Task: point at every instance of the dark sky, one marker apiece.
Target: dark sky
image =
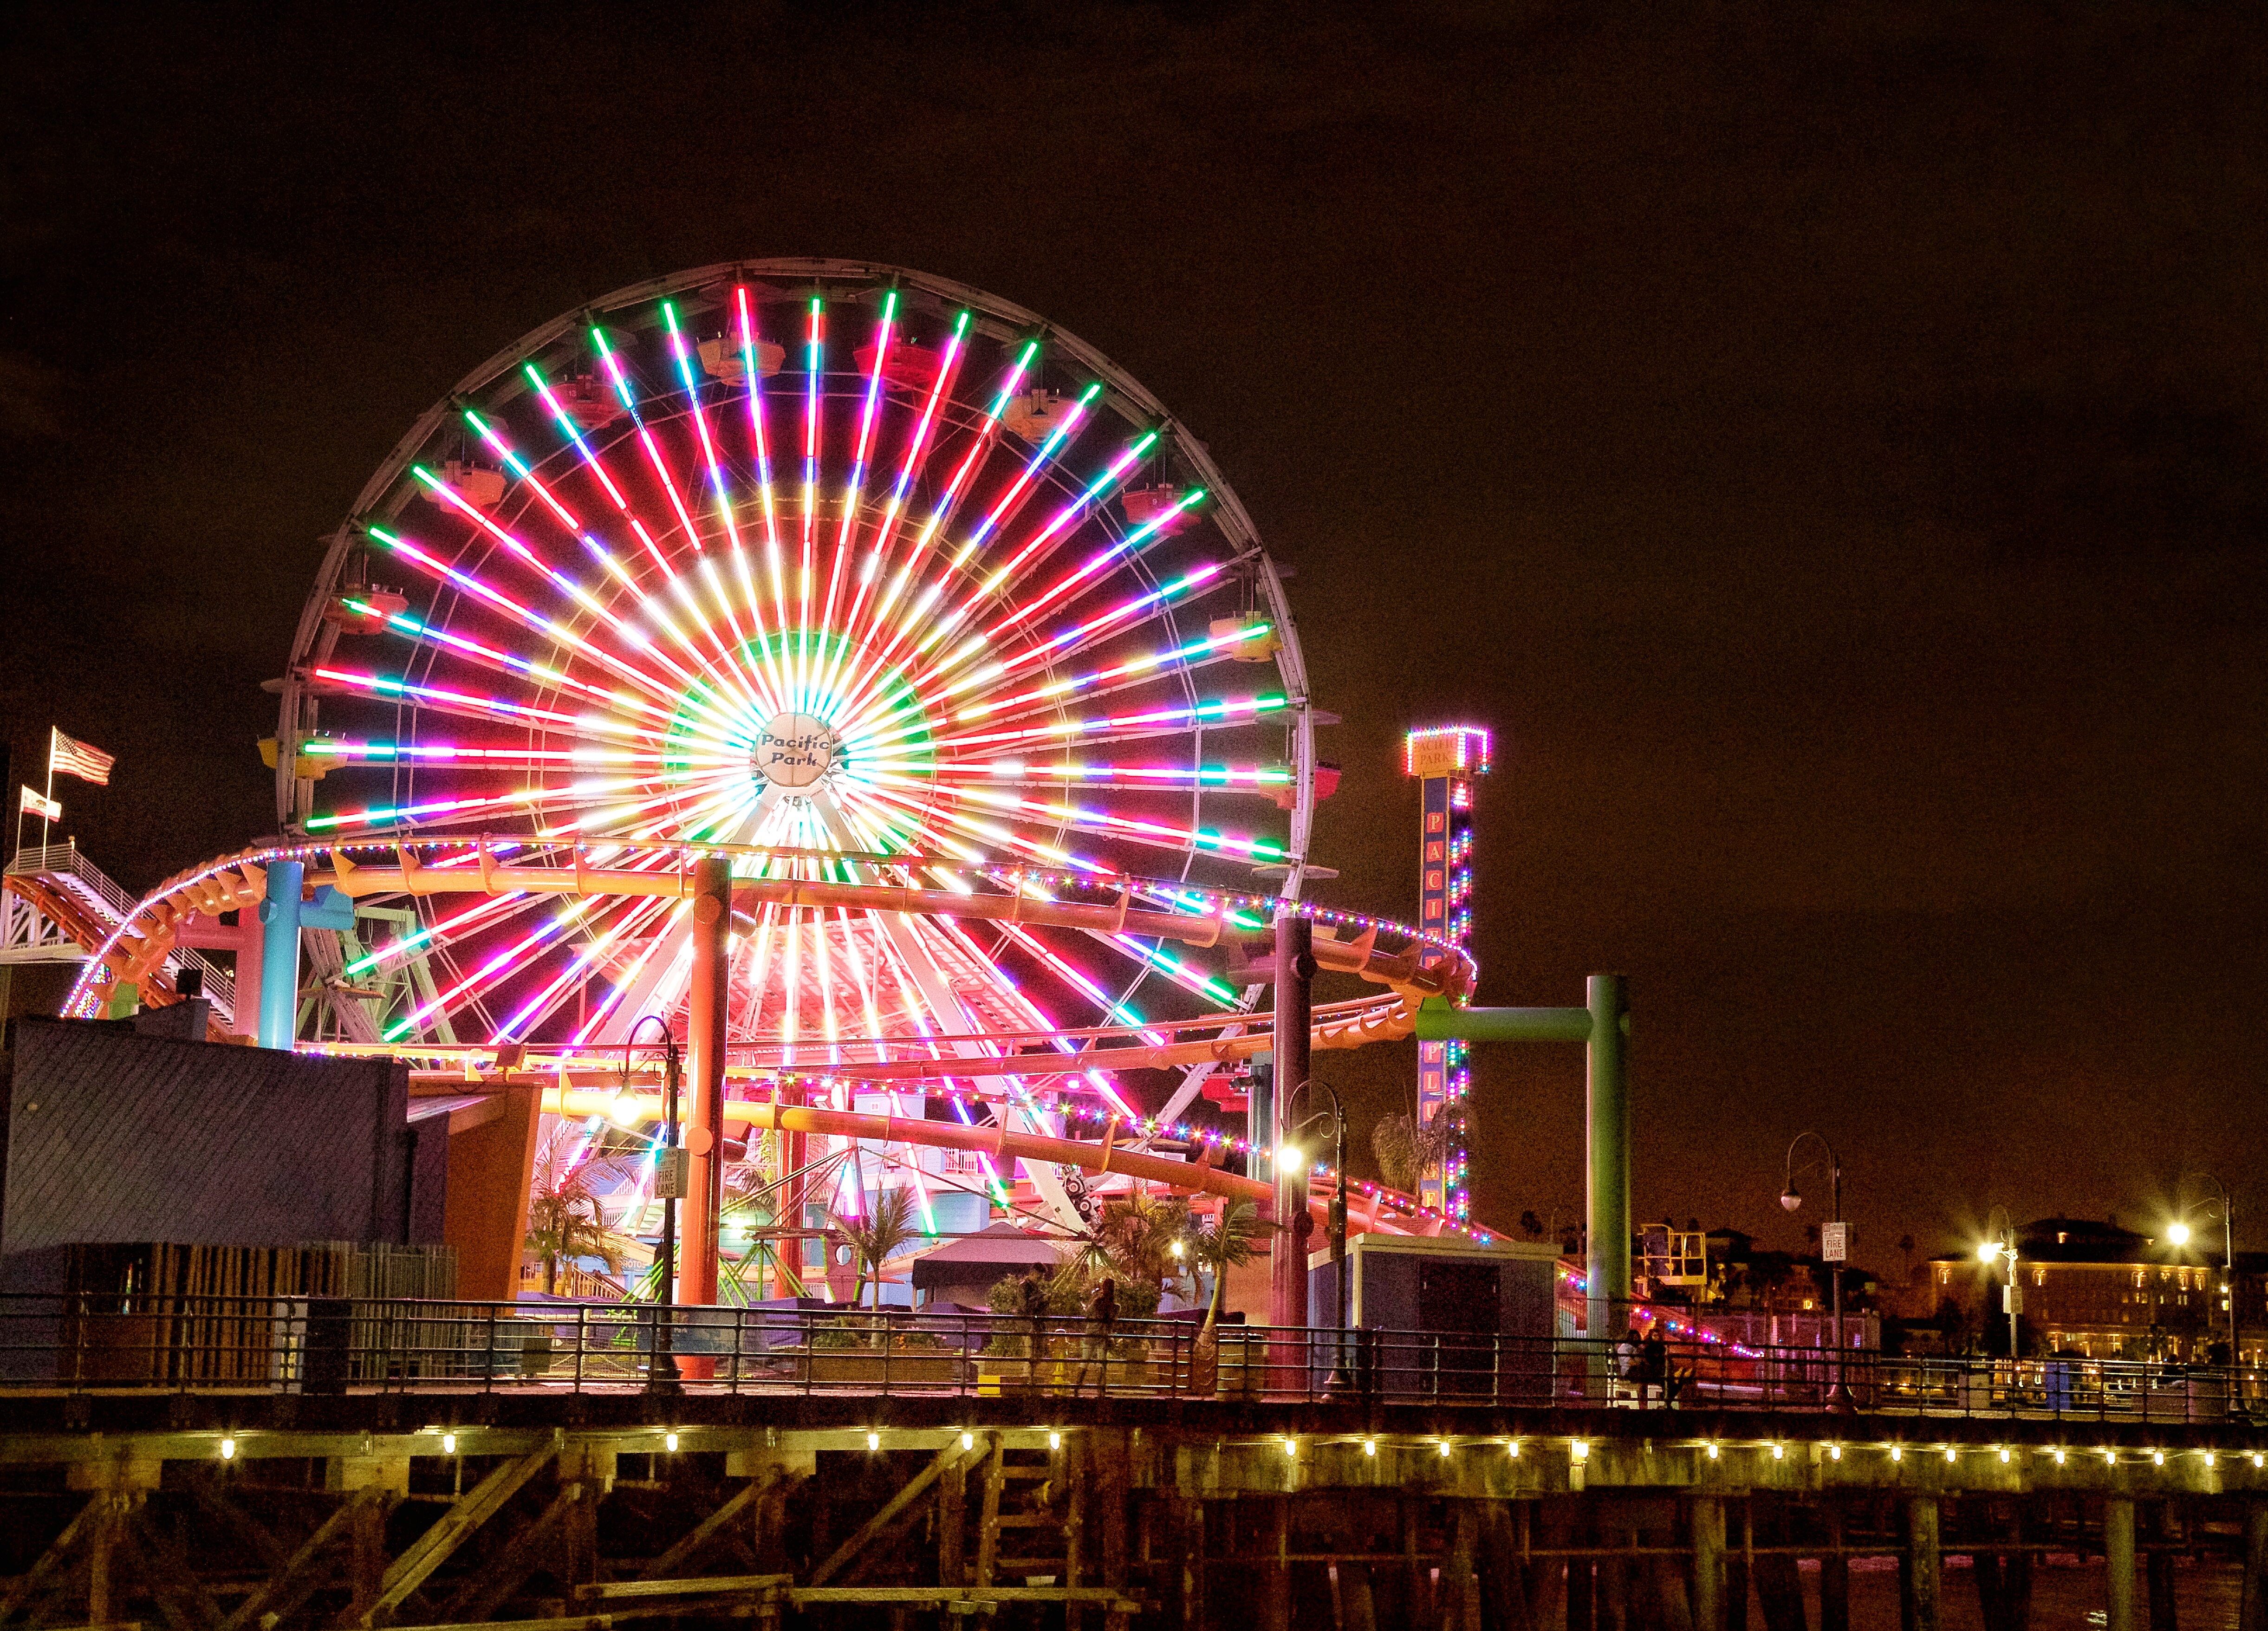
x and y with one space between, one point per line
1829 448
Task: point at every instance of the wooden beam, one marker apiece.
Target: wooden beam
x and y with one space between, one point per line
707 1528
208 1494
435 1546
52 1558
292 1576
485 1590
881 1520
988 1526
1076 1471
953 1524
171 1574
713 1586
1117 1601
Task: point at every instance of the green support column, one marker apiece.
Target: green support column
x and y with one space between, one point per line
1924 1564
1607 1136
2118 1562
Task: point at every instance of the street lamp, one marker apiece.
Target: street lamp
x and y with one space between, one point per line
662 1375
1996 1244
1832 1249
2179 1234
1290 1158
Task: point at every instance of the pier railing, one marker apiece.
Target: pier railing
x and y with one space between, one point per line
318 1345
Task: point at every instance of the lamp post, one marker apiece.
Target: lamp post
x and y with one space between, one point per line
1832 1251
1997 1245
669 1181
2179 1234
1289 1159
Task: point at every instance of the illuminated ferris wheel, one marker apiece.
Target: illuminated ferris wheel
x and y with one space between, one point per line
848 571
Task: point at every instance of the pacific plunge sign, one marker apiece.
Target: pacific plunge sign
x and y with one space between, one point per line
793 750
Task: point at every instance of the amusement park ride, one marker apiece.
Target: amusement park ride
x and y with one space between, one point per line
870 680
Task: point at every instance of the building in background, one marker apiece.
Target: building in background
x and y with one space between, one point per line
2094 1289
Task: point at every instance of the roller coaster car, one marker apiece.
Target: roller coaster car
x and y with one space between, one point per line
908 367
478 485
1034 415
721 358
1146 506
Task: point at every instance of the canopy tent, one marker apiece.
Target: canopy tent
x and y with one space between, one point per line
966 1270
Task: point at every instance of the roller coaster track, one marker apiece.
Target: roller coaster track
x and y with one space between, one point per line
589 1081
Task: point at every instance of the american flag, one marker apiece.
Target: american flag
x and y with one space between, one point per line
74 758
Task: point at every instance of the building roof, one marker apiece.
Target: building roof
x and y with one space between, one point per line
1002 1248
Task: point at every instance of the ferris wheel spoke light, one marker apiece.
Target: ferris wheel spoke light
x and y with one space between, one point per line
1163 722
434 935
578 968
1081 635
1112 475
534 622
509 456
1012 500
916 449
574 591
1130 544
719 490
855 484
506 662
573 432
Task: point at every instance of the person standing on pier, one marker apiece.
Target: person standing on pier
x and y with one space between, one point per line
1094 1346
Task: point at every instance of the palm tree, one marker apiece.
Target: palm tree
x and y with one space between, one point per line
1406 1150
1137 1234
1223 1243
563 1207
876 1237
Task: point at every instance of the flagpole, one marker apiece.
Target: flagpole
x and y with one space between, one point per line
48 831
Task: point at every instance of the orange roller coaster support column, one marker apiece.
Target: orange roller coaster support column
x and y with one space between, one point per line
704 1121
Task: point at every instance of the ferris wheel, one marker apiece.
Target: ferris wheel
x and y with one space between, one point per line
845 570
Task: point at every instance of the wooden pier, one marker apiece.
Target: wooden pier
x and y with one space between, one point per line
260 1511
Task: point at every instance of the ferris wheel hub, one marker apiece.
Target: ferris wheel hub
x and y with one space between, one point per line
793 751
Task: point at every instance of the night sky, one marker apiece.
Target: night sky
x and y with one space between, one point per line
1827 448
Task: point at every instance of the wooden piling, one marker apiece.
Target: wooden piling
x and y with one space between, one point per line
2118 1562
1462 1587
1834 1576
1925 1563
951 1524
2252 1610
1740 1568
1708 1520
988 1524
2158 1571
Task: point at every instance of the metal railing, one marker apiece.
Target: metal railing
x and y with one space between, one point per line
92 1342
107 904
